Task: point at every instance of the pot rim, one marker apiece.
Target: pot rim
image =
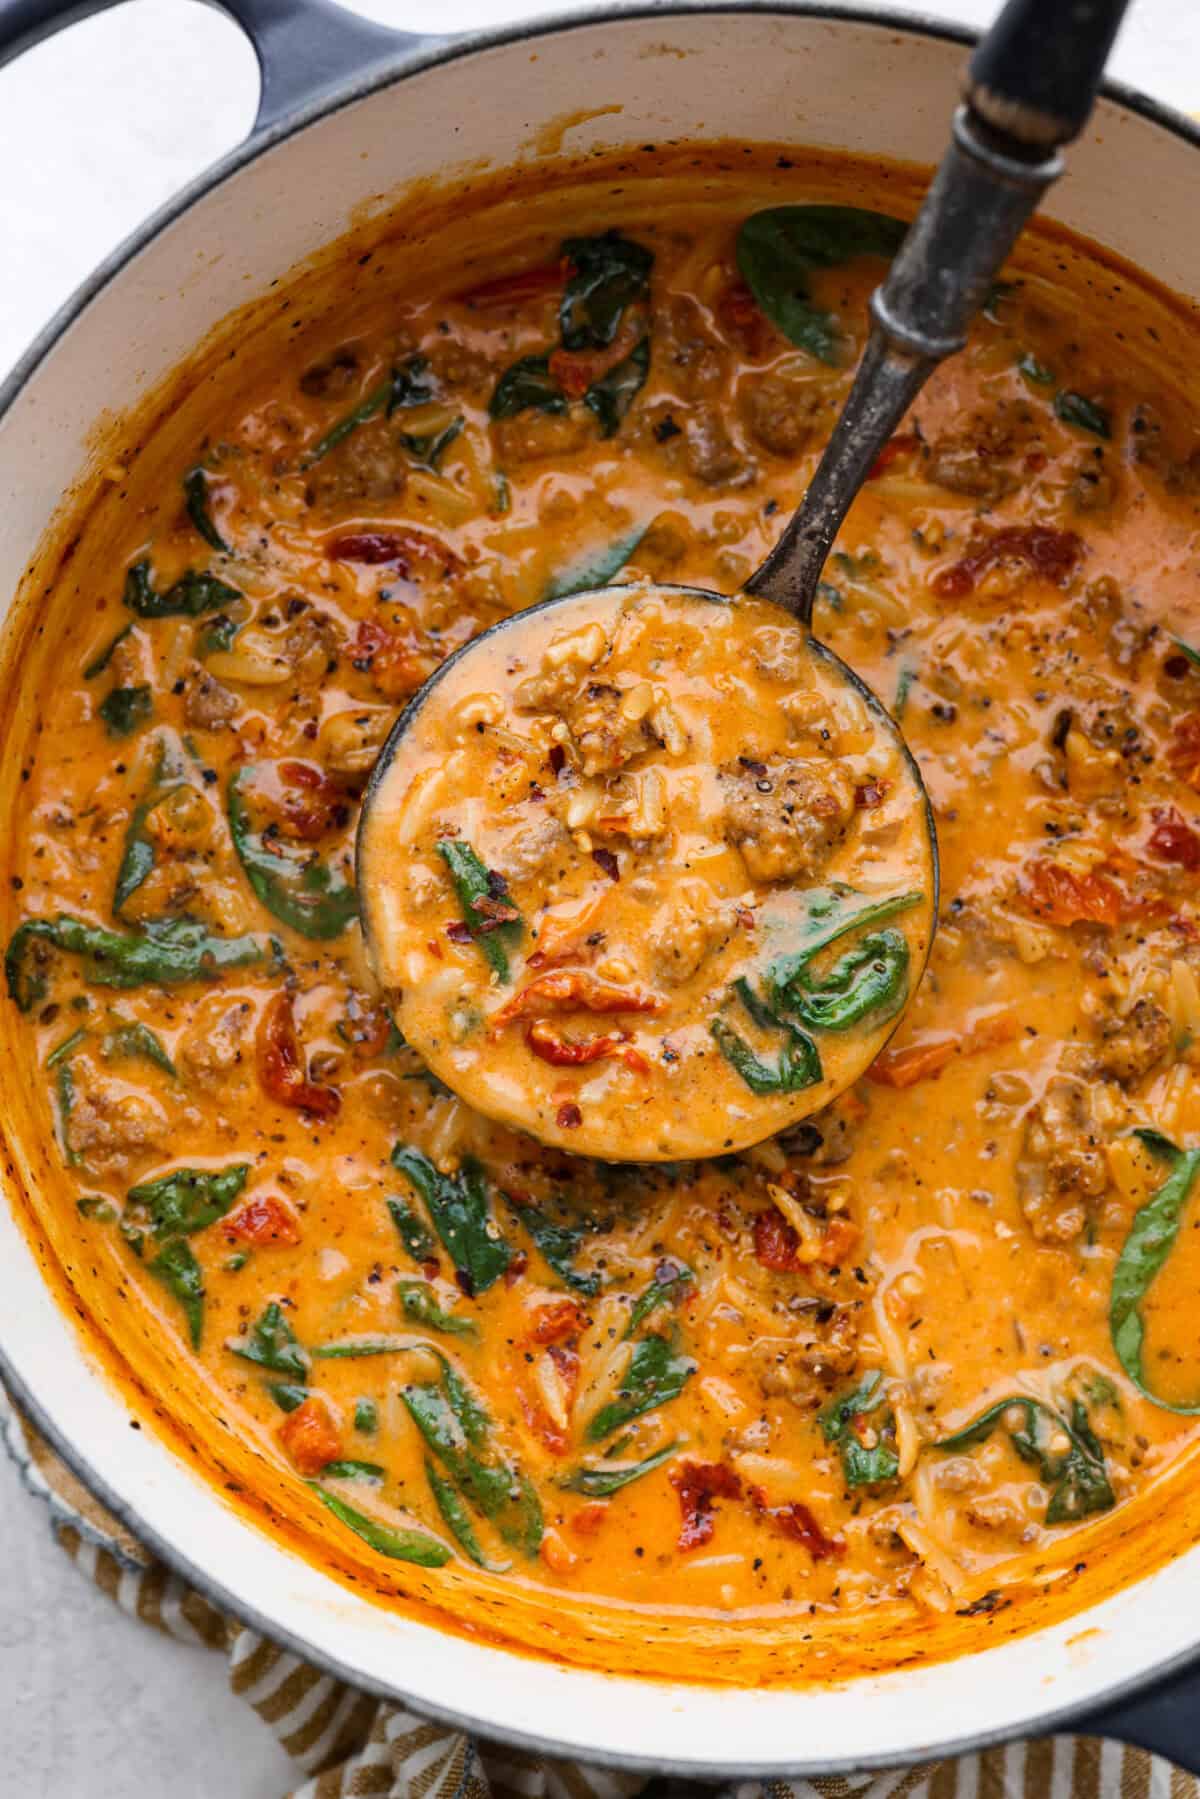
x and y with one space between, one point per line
408 61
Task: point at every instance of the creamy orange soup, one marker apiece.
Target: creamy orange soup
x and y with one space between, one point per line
900 1380
647 875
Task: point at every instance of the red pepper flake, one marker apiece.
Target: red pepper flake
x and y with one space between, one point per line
435 950
516 1268
568 1117
606 860
458 932
745 918
1050 554
557 758
1173 839
698 1484
282 1071
871 794
588 1519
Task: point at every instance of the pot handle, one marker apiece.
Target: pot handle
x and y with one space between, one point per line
304 47
1165 1720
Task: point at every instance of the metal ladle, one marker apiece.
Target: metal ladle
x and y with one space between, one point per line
1030 87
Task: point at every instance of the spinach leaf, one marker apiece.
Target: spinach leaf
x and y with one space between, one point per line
457 1430
558 1245
134 1041
1152 1237
294 885
611 396
100 662
1076 409
181 1203
191 596
272 1344
181 1274
399 1545
830 912
418 1303
217 636
797 1064
350 1470
483 899
199 508
863 1466
458 1520
368 407
287 1396
66 1048
64 1088
908 675
427 451
527 385
1192 655
462 1218
655 1375
366 1417
598 1483
139 854
125 709
608 272
869 981
670 1279
414 1234
1077 1476
165 952
1035 371
778 250
596 569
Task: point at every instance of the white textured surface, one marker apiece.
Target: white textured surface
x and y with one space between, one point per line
96 128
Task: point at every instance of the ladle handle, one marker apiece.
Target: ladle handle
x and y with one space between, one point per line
1030 87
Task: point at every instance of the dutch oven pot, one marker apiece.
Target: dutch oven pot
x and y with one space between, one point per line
350 110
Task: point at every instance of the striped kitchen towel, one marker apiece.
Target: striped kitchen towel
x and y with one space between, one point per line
347 1745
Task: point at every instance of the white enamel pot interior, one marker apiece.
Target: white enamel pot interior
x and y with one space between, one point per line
874 86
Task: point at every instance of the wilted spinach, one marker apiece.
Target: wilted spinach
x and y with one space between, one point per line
656 1374
300 890
483 899
779 249
199 508
418 1303
559 1245
271 1343
458 1206
164 952
458 1431
1076 1476
401 1545
1152 1237
863 1465
193 595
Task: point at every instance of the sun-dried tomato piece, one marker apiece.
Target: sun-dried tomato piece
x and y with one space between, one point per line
398 661
311 1436
518 289
698 1484
589 1518
282 1070
1061 896
555 1323
572 990
871 794
1183 751
550 1045
402 550
263 1220
1050 554
903 444
744 323
1173 839
921 1061
575 370
546 1419
775 1242
307 802
797 1522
